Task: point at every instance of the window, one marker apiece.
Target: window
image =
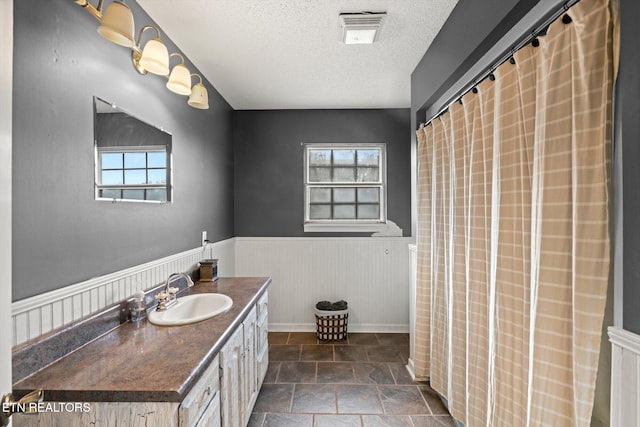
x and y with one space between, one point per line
133 173
345 187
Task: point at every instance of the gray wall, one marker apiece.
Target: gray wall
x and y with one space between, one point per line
269 164
61 235
629 126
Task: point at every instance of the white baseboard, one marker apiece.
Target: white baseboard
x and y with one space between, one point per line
311 327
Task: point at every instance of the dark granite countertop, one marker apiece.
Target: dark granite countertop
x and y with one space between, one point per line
142 362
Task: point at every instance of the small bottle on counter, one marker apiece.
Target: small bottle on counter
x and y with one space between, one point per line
137 307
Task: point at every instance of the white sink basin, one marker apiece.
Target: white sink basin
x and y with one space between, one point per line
191 309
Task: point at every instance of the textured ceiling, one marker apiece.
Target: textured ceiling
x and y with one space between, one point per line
286 54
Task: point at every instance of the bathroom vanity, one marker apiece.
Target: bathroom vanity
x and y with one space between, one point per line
207 373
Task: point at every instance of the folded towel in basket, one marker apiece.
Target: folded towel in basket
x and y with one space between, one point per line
324 305
339 305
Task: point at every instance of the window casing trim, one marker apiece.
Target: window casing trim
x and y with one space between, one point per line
351 225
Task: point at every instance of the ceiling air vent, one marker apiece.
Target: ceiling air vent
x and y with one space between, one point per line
361 28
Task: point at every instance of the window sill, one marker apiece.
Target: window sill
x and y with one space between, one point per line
344 227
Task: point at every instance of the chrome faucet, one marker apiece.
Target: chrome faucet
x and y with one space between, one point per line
167 298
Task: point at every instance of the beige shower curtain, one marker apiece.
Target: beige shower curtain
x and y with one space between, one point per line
513 239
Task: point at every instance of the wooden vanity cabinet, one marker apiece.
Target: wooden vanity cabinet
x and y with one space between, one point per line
223 396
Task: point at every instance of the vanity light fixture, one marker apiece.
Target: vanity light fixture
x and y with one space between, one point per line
199 97
117 26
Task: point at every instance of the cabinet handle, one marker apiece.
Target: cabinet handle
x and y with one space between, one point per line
207 392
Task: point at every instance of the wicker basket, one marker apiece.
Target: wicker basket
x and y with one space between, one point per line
331 325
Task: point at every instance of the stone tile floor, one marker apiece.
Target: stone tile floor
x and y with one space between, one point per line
361 381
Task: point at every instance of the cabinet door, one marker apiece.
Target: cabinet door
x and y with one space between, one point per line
231 393
250 374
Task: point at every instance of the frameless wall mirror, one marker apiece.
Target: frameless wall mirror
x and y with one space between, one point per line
133 158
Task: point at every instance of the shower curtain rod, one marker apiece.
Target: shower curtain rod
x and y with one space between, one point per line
526 38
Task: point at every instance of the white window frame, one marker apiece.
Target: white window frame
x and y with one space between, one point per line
346 226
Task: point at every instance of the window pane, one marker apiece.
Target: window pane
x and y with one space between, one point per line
344 195
136 176
368 212
344 212
368 195
157 176
156 160
344 174
368 157
135 160
133 194
109 193
319 157
320 195
157 194
319 174
111 177
344 157
368 175
111 160
320 212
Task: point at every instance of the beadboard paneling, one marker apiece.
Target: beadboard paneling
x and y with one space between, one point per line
42 313
625 378
370 273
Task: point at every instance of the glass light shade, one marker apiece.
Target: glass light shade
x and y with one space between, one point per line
155 57
199 97
180 80
116 24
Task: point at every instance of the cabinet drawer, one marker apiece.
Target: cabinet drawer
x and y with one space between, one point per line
204 392
262 305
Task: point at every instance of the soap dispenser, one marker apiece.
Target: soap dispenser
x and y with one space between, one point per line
208 270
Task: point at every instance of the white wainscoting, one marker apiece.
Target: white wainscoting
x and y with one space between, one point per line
625 378
32 317
370 273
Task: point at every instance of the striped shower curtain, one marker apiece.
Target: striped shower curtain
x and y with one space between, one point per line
513 236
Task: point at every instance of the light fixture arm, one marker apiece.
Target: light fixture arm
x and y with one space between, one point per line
142 30
95 11
198 76
178 55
